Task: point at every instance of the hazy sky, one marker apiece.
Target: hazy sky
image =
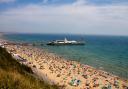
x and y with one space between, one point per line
109 17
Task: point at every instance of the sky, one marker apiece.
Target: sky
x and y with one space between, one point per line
99 17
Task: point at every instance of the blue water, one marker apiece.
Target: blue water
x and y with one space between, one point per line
109 53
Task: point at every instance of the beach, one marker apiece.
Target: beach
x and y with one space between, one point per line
65 73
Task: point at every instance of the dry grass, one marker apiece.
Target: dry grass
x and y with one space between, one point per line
16 76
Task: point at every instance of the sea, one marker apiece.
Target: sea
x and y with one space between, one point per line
109 53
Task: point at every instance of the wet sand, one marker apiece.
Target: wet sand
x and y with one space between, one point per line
70 74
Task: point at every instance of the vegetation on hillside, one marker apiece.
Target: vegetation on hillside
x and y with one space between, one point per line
14 75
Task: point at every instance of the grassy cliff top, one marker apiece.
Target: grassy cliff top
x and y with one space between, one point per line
14 75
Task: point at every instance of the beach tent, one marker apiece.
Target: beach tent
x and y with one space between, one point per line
17 57
75 82
1 44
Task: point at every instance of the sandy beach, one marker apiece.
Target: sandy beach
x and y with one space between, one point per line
69 74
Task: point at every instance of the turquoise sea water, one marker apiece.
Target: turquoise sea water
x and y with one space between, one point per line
109 53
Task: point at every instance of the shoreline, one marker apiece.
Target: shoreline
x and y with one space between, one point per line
64 71
98 68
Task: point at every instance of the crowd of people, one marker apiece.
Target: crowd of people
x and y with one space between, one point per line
67 73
